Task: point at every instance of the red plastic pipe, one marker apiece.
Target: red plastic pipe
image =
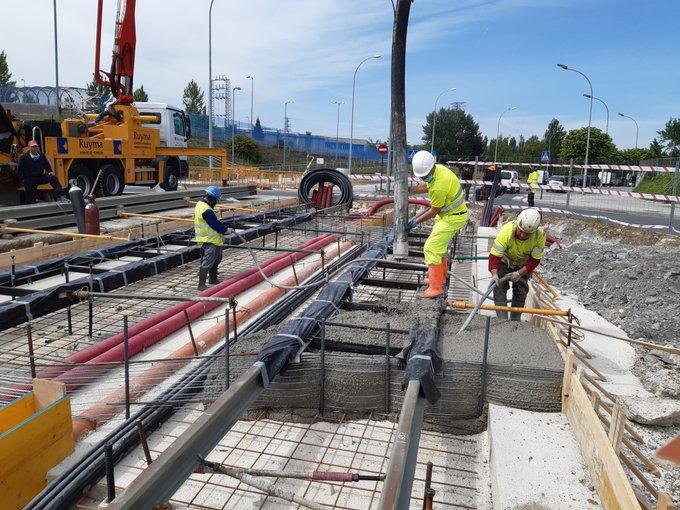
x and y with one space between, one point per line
78 376
382 203
92 351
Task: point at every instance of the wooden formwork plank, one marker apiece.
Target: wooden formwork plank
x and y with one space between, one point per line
605 469
16 411
32 448
46 392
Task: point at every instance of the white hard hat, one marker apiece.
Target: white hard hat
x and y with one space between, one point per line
529 220
422 163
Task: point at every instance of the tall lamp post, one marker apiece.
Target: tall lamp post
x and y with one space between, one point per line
285 129
434 116
252 87
210 98
337 131
233 124
606 129
637 128
56 58
351 125
498 132
590 116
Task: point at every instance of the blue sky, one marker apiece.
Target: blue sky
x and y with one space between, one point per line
497 53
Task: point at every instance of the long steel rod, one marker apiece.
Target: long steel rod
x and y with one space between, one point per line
396 492
85 294
518 309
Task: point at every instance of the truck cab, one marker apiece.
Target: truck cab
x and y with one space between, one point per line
174 127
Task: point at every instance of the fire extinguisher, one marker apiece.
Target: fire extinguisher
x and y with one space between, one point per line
91 216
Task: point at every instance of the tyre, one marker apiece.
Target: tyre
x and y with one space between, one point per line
171 178
82 177
111 182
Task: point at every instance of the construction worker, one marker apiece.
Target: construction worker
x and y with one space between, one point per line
34 170
467 174
516 251
209 231
533 178
447 207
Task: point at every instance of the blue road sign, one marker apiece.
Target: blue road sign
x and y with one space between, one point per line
545 157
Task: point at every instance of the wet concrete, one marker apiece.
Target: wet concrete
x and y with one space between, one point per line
524 371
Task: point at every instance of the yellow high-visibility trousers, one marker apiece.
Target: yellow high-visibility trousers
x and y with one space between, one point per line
443 231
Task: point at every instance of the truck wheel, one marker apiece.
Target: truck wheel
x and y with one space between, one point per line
111 183
171 178
82 177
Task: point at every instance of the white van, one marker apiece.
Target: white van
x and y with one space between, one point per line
510 181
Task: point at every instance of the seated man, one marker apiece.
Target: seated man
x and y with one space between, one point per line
517 251
34 170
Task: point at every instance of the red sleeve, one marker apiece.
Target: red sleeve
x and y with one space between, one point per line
494 262
531 264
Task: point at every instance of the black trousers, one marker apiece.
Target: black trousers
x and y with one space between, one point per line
31 186
530 198
520 290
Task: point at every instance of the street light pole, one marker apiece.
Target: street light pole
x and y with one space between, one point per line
252 88
210 98
434 116
56 58
637 128
498 132
606 130
233 123
351 125
590 117
337 131
285 130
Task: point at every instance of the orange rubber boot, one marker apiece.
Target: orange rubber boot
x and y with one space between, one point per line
445 265
436 282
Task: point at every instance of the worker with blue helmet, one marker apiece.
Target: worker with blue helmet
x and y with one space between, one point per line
209 231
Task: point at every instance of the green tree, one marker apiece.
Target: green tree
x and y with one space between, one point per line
193 98
670 135
602 149
245 148
5 75
655 149
632 156
533 147
456 133
98 96
258 132
553 138
140 94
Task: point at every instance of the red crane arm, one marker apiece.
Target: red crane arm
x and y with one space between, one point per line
120 77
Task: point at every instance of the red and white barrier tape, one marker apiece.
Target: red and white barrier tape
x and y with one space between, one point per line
625 168
370 178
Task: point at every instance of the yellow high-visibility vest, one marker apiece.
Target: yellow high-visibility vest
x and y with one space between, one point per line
205 233
446 192
533 179
514 251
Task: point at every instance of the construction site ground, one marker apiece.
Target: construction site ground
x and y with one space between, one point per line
506 456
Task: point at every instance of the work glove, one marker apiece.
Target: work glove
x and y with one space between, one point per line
515 276
411 224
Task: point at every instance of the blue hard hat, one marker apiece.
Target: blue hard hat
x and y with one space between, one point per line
214 192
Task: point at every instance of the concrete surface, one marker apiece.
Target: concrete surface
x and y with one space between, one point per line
535 462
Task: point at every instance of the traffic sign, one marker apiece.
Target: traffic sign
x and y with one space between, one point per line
545 157
382 149
411 153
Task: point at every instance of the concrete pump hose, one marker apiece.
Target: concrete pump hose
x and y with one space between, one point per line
322 176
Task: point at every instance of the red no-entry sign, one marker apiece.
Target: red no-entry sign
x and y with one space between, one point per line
382 149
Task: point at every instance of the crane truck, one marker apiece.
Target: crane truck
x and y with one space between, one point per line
127 143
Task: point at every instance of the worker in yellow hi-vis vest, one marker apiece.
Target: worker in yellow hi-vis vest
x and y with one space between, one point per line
533 178
209 231
447 207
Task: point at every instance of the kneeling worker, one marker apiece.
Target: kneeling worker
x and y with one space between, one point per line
447 207
516 251
209 231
